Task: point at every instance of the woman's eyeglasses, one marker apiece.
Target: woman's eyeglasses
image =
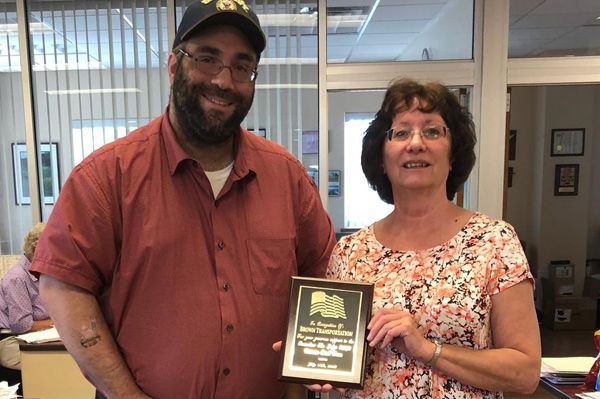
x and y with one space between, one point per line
241 72
430 133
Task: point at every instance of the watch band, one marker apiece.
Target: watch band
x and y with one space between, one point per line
436 354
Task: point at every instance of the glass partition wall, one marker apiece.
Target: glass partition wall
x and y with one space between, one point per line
98 73
405 30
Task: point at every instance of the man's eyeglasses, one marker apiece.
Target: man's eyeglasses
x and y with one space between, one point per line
241 72
430 133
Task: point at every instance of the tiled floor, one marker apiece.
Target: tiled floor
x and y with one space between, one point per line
561 343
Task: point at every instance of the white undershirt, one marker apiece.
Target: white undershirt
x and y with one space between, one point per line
218 178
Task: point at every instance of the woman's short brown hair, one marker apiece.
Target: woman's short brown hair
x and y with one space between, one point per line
429 97
31 239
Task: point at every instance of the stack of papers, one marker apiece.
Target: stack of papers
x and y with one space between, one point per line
566 370
8 392
40 337
588 395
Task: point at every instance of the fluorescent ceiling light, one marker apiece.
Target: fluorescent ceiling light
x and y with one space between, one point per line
287 61
69 66
139 34
288 20
368 19
34 27
308 10
287 86
94 91
9 28
309 20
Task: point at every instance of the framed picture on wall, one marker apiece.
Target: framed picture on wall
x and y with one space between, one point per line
50 173
566 179
262 132
335 183
567 142
310 142
314 174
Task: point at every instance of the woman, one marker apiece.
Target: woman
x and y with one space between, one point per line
21 307
453 302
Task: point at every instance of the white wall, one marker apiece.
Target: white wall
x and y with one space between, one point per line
555 227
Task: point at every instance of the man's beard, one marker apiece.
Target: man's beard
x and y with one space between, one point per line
197 125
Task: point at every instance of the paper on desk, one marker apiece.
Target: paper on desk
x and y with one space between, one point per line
40 337
8 392
589 395
561 380
567 365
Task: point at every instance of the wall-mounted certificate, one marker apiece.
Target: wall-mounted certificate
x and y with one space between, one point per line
326 333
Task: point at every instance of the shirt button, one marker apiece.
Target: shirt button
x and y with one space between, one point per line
226 371
226 286
229 328
221 244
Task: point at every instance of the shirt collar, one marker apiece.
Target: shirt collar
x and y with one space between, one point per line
26 265
176 155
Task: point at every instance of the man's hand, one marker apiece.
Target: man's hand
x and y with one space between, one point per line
312 387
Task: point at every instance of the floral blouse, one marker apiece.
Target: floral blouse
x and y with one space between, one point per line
448 289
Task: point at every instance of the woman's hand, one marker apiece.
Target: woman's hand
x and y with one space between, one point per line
312 387
396 327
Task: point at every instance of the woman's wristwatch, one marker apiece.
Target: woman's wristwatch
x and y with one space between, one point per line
436 354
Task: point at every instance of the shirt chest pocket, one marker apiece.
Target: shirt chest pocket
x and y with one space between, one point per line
272 262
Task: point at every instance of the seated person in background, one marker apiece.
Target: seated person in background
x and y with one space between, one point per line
453 312
21 308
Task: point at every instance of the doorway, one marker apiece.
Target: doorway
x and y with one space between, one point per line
556 219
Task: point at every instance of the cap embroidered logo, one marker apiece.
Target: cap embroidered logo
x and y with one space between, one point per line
228 5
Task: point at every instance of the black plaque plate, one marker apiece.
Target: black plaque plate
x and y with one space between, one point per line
326 332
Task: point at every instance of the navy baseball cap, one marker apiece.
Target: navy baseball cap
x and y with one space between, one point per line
202 13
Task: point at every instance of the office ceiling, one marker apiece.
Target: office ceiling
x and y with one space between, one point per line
358 31
538 28
545 28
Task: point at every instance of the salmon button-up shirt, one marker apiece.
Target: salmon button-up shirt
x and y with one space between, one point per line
194 289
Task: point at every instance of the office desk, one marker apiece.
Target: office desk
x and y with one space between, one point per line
563 391
49 372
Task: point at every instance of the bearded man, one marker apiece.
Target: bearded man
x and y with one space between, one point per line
166 262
